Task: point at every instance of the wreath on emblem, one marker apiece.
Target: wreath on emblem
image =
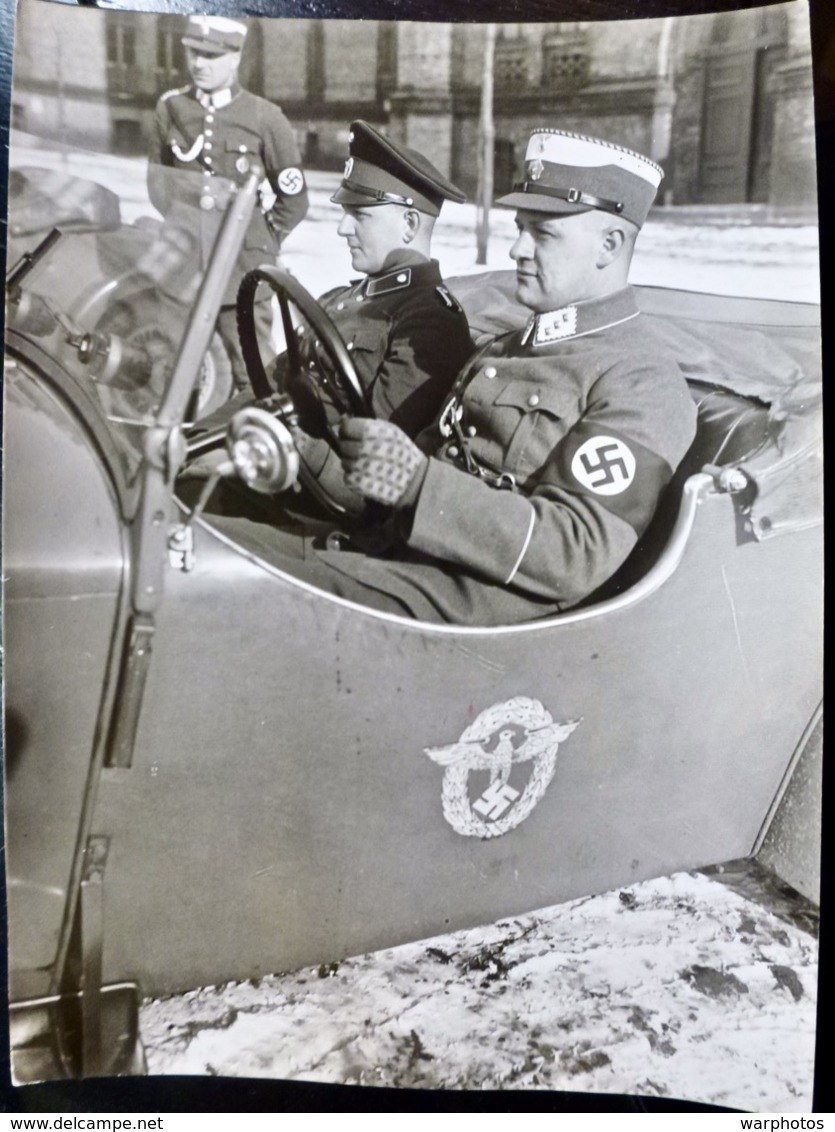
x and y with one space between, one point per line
470 753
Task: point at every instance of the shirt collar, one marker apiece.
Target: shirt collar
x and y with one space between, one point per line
218 98
577 319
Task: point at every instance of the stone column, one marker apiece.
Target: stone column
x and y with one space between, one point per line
420 107
793 183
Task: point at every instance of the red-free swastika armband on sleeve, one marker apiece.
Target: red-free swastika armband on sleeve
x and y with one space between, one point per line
619 473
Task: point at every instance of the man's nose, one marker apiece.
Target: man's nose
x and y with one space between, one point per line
346 225
522 247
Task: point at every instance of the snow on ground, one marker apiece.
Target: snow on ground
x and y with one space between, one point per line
764 261
677 987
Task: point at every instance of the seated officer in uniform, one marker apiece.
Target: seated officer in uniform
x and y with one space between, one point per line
207 138
407 335
549 456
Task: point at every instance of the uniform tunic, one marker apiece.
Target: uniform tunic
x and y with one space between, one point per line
204 146
586 414
408 338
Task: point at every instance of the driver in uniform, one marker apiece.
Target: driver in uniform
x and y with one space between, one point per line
548 458
407 335
207 138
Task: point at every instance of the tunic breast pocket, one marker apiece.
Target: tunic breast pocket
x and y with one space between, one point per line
367 346
532 418
239 157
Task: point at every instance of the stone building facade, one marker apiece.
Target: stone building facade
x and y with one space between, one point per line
723 101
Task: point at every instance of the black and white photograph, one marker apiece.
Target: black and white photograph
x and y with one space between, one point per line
412 552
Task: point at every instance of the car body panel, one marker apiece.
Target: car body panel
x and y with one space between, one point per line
64 564
301 821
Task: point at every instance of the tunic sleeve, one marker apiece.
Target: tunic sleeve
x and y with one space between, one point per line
583 511
282 167
158 157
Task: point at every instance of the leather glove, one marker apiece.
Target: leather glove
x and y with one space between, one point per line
380 461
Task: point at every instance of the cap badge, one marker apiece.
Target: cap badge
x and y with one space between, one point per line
349 165
535 169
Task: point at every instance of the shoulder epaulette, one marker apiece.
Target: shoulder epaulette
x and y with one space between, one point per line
177 90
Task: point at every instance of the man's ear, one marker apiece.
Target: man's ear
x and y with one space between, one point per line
411 224
614 240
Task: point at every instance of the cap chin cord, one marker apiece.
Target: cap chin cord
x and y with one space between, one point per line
573 196
377 194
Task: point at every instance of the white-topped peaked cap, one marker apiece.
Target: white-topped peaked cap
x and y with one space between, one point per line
566 172
214 34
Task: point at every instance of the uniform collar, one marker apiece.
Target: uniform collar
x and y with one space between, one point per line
218 98
401 270
578 319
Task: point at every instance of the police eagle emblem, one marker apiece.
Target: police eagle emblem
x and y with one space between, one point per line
535 169
500 739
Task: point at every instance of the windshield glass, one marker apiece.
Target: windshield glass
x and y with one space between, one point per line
106 286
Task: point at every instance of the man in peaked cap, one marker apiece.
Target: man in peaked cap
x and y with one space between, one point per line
547 460
407 335
207 137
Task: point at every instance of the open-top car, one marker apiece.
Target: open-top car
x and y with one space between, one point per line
215 770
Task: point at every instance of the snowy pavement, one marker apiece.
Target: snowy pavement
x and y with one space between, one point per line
758 260
679 987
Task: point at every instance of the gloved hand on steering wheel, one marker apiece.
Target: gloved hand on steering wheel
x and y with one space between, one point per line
381 462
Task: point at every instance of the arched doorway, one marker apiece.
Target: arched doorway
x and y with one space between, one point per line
738 112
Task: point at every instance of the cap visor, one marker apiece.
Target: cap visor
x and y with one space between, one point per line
206 48
345 196
533 202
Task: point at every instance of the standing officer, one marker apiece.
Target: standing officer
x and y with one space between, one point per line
549 457
207 138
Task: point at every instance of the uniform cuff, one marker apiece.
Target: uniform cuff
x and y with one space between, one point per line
462 520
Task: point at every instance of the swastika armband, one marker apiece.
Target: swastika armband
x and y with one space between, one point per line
291 181
622 474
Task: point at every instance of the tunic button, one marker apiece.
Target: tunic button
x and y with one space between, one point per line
452 451
350 346
401 278
490 371
241 149
210 117
360 298
471 430
533 400
340 306
209 133
208 160
207 145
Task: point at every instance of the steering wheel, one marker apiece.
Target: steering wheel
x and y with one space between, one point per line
343 384
345 387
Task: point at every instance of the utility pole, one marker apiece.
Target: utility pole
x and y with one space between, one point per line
486 140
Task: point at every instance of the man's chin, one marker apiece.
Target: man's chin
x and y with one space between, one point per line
526 290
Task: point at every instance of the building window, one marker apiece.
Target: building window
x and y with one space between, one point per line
121 45
565 62
170 61
123 74
512 64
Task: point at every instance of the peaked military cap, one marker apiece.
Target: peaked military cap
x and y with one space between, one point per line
214 34
567 173
380 172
